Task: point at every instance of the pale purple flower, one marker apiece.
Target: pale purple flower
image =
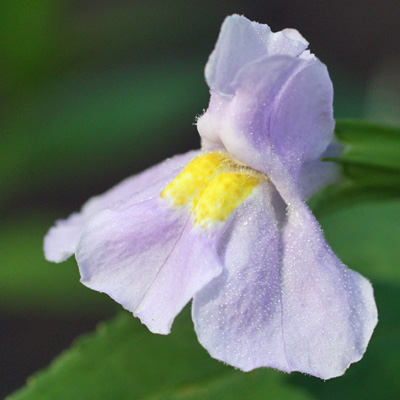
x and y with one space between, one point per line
227 225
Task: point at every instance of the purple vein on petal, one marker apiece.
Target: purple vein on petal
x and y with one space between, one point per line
165 261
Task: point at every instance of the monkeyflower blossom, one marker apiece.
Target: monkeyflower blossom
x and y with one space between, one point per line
228 226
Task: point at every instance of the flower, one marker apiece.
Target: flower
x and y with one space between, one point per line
228 226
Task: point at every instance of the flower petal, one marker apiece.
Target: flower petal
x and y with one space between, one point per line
271 102
329 312
148 258
242 41
238 316
61 240
279 118
192 264
315 175
284 301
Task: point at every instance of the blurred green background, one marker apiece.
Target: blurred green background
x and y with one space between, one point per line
94 91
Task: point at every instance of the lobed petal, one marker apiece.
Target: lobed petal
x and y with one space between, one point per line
238 316
283 300
242 41
61 241
192 264
279 118
276 114
148 258
329 311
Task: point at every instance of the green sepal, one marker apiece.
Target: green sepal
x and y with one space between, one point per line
369 144
369 163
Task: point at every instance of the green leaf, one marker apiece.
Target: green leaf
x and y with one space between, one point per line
31 285
370 166
347 194
123 360
369 144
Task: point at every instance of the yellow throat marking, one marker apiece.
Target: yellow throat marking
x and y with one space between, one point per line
212 185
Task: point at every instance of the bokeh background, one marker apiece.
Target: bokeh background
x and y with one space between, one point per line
93 91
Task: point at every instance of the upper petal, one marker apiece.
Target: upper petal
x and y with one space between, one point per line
62 239
148 257
242 41
280 117
271 102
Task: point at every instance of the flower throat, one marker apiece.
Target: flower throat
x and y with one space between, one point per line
212 185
